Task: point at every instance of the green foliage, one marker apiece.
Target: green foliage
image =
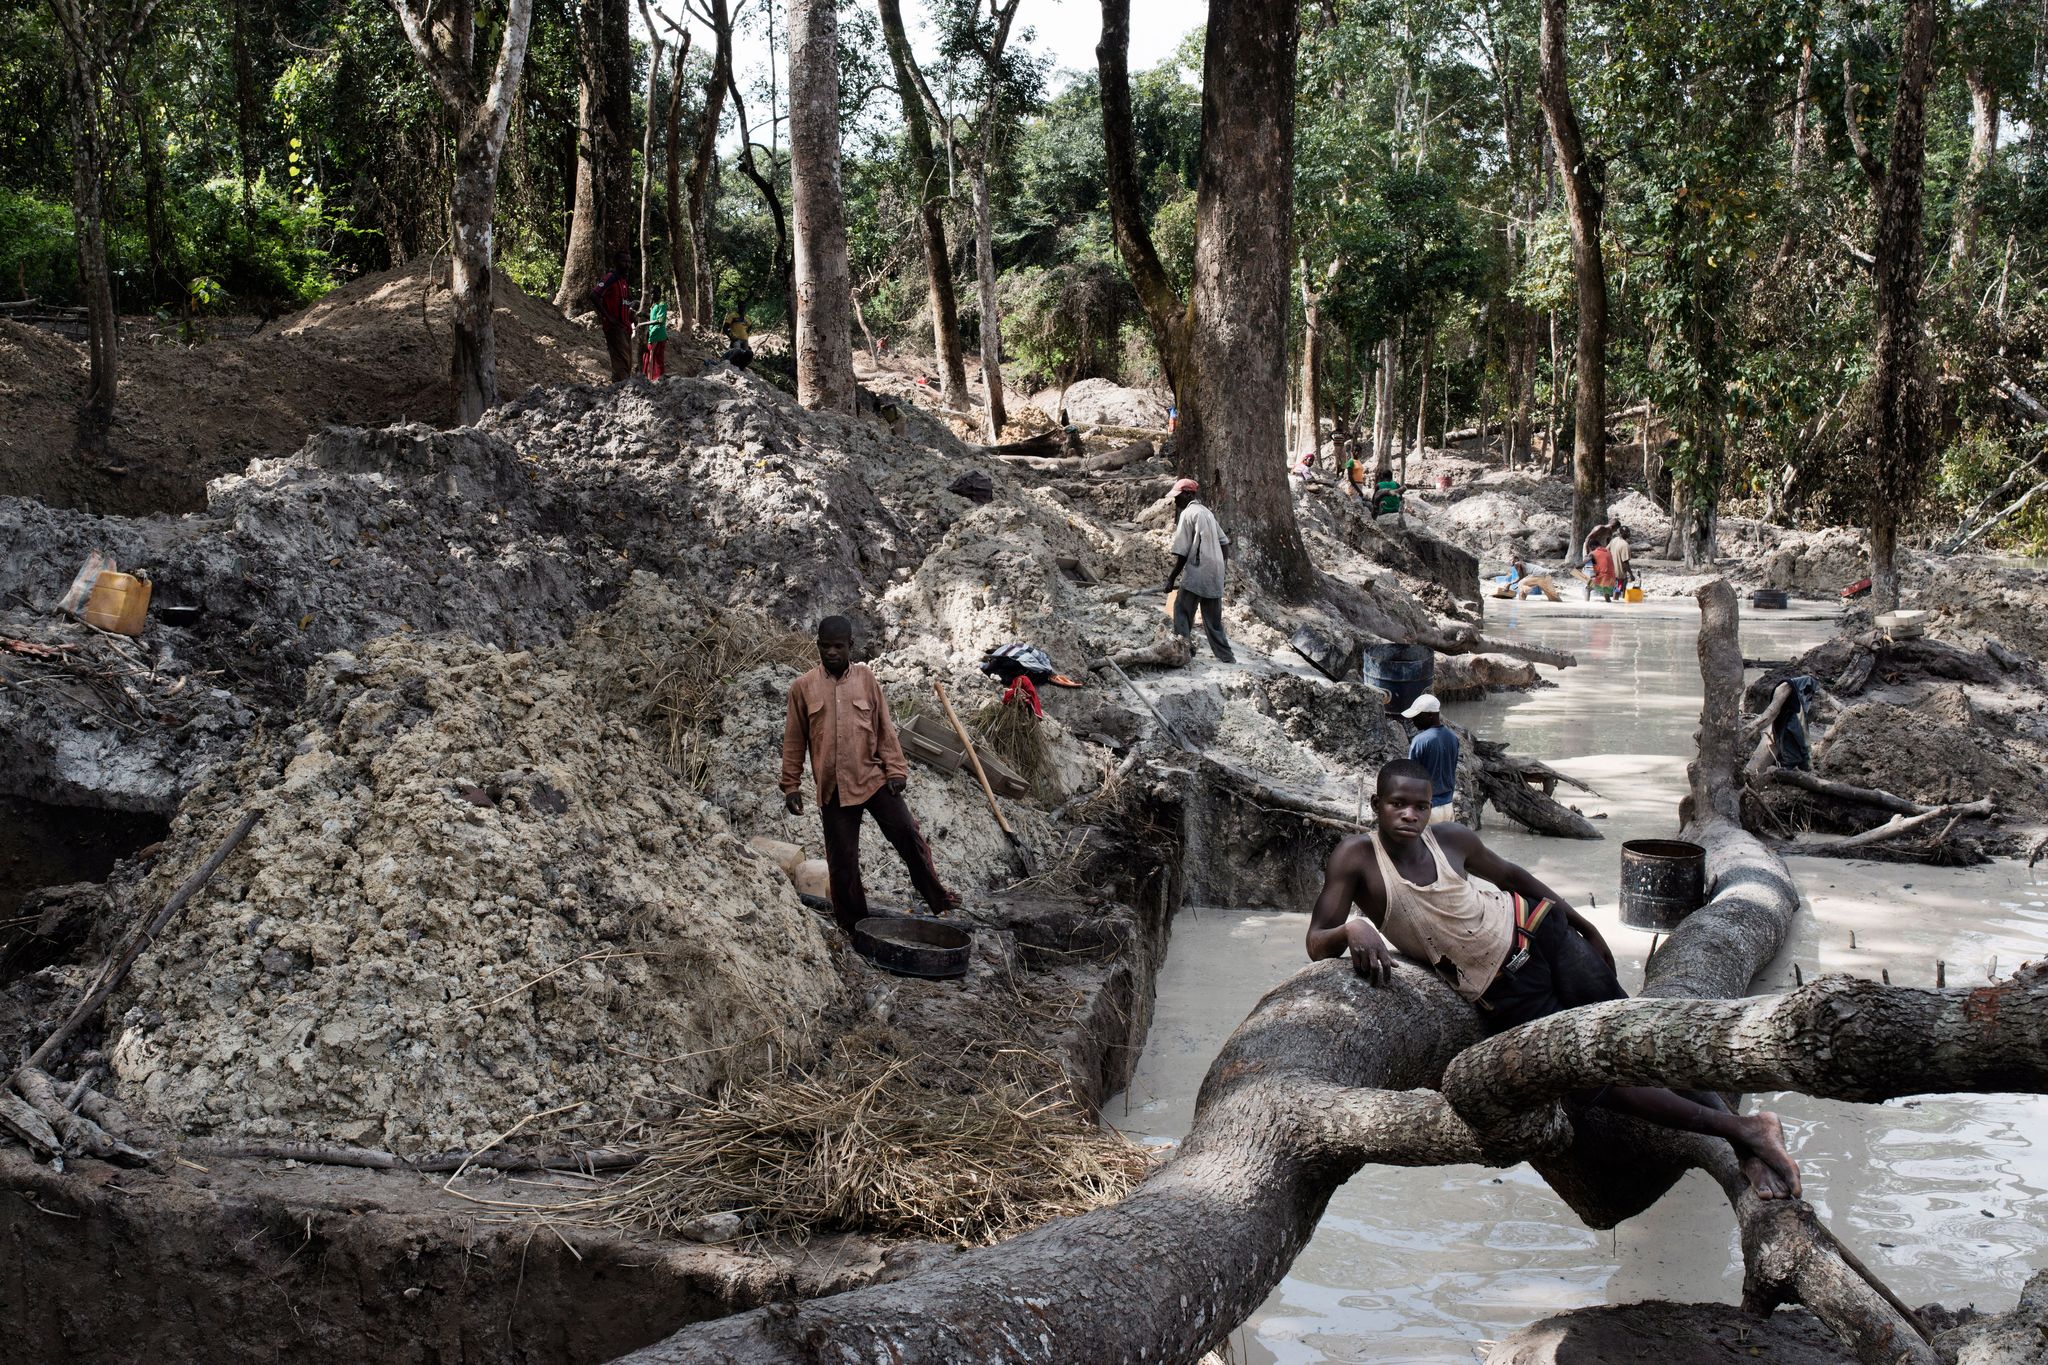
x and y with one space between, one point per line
1066 322
36 252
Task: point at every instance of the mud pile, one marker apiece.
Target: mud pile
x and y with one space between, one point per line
375 351
1939 749
472 899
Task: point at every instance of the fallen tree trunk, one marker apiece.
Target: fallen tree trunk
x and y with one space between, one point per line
1890 829
1329 1073
1504 781
1843 791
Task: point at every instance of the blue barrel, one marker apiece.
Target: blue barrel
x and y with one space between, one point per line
1403 672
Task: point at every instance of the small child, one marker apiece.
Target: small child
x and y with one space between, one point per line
654 356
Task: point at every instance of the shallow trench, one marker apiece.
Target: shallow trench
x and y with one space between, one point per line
1946 1197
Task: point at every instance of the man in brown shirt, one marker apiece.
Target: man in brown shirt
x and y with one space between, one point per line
838 715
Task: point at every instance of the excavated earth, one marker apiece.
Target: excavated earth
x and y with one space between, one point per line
500 893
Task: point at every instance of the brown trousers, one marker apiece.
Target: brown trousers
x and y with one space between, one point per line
842 854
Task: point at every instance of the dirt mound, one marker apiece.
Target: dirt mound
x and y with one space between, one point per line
1973 597
1937 750
1816 563
374 352
1103 402
472 899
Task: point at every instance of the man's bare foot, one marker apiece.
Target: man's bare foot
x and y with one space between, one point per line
1772 1172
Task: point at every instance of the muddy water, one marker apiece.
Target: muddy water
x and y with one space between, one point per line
1944 1196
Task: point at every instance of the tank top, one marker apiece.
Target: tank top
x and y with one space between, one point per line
1452 920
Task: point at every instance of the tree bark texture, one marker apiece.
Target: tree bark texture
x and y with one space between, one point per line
925 169
656 50
1582 197
991 312
481 117
701 305
824 284
1329 1073
1984 112
1308 437
1233 434
1225 349
676 225
1899 442
600 225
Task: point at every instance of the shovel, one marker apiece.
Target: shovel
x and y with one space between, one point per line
1017 845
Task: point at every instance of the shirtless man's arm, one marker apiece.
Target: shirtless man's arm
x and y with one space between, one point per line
1478 859
1352 878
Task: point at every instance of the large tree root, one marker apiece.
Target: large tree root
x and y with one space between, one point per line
1328 1074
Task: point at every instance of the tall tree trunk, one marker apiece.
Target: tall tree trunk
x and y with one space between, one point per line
96 282
924 169
824 286
600 226
245 112
1582 197
1237 354
1422 390
991 316
481 117
699 300
1308 437
1962 251
1899 444
682 239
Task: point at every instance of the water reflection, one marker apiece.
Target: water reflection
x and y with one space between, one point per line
1943 1195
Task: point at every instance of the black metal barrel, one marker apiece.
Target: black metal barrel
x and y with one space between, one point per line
1662 881
1403 672
1770 599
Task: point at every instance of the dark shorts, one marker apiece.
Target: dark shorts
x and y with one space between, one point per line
1562 972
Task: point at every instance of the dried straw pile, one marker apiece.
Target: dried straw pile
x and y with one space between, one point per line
883 1143
671 665
1010 731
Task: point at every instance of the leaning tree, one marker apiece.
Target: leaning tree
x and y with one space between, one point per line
443 36
1329 1074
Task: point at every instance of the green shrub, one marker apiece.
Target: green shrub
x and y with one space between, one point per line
37 256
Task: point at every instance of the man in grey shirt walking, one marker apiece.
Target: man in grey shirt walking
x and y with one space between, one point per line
1200 550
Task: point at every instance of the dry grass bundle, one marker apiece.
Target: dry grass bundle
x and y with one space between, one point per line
883 1143
679 687
1010 731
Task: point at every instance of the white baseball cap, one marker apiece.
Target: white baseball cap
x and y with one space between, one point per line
1426 703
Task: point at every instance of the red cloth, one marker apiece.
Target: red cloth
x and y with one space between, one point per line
654 359
1030 691
611 300
1603 567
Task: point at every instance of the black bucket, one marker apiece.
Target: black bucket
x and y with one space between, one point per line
1770 599
1403 672
914 945
1662 881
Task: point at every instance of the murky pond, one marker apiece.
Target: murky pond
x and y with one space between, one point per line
1947 1197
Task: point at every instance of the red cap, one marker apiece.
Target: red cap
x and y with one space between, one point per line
1186 486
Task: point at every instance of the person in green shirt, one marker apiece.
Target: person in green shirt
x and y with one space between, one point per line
654 357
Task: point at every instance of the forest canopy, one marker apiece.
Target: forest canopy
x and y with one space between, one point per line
256 154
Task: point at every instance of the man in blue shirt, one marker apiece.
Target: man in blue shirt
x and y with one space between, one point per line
1435 747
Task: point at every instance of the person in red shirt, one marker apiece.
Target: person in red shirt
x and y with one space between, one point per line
1603 572
615 315
839 717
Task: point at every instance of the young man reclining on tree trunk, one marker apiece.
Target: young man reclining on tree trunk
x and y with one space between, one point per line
1518 953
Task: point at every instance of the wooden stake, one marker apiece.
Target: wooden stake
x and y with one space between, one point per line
1852 940
119 971
1940 973
1798 977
